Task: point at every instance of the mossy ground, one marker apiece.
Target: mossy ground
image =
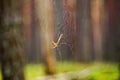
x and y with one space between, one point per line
103 71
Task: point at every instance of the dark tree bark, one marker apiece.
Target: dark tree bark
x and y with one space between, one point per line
84 31
118 37
27 32
11 50
69 28
112 39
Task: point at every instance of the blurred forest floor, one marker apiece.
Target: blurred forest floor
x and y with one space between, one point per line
98 71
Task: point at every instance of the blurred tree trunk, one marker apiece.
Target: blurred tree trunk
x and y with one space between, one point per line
97 8
58 29
84 32
113 30
27 32
118 36
31 31
69 30
35 38
11 50
45 14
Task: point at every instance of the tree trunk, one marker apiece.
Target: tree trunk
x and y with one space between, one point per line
45 14
11 50
111 39
58 29
69 30
96 18
84 30
27 32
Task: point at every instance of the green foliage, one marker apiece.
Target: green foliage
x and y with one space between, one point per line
34 70
104 72
108 72
70 66
0 76
99 71
37 70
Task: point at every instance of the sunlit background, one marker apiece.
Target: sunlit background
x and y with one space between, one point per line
60 39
